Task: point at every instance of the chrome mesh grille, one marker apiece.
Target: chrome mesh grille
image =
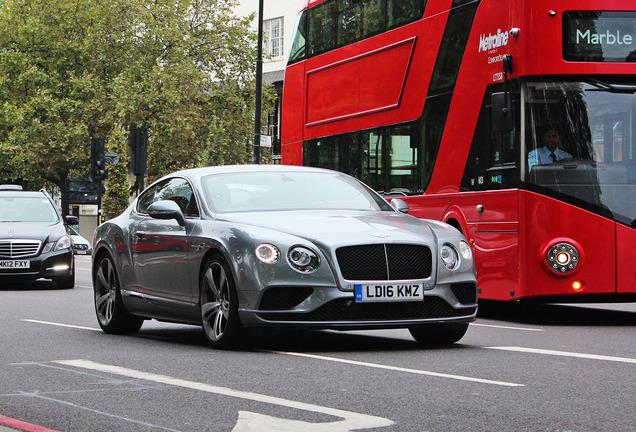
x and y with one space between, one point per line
19 248
385 262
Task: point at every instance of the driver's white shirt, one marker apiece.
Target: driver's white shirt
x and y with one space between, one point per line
541 156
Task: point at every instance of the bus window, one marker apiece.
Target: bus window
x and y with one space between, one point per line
400 12
403 155
322 26
492 161
592 125
297 51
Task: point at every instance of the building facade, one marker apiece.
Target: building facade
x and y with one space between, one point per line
279 20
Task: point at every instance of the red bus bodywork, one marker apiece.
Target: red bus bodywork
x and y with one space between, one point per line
383 80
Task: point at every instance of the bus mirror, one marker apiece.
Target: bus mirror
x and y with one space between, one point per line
502 119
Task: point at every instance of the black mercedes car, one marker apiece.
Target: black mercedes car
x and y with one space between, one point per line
34 239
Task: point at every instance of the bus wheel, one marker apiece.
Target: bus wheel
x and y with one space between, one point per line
438 334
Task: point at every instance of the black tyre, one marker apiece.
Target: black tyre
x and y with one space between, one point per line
109 306
219 304
438 334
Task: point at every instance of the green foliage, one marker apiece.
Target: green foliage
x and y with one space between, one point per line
75 69
116 198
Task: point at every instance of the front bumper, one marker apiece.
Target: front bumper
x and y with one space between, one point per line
325 307
52 265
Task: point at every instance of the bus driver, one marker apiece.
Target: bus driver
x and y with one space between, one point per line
550 152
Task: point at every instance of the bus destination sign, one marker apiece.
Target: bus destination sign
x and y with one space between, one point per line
599 36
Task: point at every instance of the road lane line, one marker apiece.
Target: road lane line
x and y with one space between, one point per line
351 420
506 327
566 354
61 325
400 369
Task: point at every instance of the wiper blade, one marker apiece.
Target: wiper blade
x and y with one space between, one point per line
612 88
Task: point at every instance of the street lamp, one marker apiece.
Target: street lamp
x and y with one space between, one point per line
259 84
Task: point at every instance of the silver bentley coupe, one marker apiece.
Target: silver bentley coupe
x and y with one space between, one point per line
237 247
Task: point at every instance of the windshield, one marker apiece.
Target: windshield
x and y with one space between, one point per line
276 191
580 144
27 209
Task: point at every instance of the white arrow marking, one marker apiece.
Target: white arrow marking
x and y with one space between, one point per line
247 421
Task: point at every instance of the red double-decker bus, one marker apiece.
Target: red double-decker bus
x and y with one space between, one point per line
514 121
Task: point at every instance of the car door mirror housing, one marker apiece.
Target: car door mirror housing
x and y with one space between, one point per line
166 209
400 205
71 220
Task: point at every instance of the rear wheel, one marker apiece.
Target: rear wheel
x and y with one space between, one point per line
438 334
109 306
219 304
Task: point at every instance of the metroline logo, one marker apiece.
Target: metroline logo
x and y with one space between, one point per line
490 41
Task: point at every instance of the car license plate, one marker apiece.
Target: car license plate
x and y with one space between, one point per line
20 264
389 292
81 252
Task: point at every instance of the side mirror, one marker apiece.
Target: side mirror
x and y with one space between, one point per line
502 118
400 205
71 220
167 209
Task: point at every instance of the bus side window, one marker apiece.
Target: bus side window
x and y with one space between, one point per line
493 158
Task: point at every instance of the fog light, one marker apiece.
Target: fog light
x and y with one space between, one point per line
562 258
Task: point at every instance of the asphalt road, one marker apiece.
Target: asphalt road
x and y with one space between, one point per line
519 368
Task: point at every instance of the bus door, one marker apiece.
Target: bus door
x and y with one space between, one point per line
613 132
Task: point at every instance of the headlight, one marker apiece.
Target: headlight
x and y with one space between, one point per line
449 257
464 249
268 253
63 243
303 259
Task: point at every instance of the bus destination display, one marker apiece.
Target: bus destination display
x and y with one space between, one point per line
599 36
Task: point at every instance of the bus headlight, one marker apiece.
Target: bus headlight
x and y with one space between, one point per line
449 257
562 258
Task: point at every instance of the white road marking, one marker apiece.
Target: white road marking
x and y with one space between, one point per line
566 354
61 325
400 369
251 421
506 327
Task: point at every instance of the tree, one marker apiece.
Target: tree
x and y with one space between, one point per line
75 69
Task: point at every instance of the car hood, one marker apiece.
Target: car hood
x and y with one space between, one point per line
333 227
31 230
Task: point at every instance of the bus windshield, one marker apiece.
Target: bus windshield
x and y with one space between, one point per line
580 144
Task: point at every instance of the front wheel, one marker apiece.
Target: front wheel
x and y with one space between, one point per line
438 334
109 306
219 304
